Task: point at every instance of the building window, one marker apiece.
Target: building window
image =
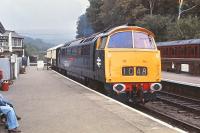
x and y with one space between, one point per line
16 42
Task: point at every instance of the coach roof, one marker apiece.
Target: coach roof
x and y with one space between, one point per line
179 42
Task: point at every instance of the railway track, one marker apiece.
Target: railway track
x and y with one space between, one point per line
183 102
169 119
178 110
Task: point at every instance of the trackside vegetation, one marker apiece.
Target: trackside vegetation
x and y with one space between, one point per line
168 19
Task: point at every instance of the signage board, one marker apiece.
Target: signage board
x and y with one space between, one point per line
1 50
13 59
185 67
40 64
3 38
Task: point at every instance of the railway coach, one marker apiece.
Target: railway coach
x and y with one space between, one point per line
181 56
123 60
51 56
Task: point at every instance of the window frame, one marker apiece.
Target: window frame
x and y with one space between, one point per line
133 39
109 37
153 41
99 41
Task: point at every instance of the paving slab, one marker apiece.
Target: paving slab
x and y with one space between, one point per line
50 103
181 78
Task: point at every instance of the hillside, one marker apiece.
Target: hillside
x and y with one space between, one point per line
37 43
35 47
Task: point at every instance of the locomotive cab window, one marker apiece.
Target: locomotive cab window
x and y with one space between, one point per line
102 42
121 40
143 41
131 39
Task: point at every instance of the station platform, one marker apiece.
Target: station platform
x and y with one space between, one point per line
49 102
181 78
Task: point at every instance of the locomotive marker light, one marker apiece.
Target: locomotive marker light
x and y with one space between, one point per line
156 87
98 62
119 88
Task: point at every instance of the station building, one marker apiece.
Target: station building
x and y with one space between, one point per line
11 53
10 42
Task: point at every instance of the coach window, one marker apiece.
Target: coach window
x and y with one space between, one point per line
121 40
196 51
167 52
103 42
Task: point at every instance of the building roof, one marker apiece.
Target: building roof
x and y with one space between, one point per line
179 42
2 29
14 34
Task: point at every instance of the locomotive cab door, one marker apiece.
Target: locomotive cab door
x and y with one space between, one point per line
99 59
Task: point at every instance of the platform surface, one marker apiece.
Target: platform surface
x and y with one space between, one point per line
181 78
50 103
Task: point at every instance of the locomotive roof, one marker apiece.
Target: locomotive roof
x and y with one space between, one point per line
55 47
179 42
92 38
125 27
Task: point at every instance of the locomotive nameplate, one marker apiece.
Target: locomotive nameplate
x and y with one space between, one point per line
141 71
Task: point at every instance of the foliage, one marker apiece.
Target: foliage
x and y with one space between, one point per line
186 28
84 28
93 14
155 23
38 43
168 19
30 50
35 47
120 12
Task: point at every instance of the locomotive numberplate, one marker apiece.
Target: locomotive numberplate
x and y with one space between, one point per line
141 71
127 71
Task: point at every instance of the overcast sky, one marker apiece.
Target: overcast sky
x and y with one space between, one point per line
52 20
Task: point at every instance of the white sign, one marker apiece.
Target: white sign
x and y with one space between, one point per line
1 50
13 58
40 64
185 67
98 62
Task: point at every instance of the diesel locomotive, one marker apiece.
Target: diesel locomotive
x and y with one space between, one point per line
123 60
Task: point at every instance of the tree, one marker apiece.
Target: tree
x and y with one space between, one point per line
157 24
31 50
93 15
151 6
182 3
84 28
188 26
160 16
119 12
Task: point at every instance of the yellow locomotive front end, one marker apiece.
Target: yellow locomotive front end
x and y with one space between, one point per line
132 63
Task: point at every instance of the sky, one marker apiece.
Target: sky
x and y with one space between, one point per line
51 20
